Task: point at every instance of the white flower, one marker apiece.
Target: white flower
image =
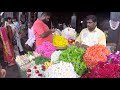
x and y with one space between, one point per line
31 57
55 56
69 32
61 70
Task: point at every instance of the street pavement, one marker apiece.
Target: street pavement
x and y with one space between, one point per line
11 71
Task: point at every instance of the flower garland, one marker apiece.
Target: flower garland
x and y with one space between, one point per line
94 54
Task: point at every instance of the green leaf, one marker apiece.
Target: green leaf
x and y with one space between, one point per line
41 60
75 56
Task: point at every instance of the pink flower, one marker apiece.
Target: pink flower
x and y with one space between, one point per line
46 49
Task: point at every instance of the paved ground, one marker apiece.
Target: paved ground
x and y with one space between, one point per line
12 71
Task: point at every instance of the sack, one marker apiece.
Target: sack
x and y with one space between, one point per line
14 41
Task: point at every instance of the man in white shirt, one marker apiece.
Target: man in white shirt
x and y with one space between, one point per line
31 37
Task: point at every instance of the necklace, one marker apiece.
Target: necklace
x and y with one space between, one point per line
114 28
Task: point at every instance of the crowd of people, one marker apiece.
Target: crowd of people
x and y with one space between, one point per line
12 34
10 40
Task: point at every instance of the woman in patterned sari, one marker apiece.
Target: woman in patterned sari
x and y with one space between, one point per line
7 46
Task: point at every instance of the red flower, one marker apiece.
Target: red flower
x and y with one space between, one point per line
28 75
104 70
40 75
43 67
29 70
35 67
37 71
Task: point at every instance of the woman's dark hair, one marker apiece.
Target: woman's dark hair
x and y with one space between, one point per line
8 18
92 17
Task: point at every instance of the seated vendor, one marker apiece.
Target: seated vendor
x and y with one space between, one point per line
91 35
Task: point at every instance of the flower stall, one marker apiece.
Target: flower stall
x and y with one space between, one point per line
60 59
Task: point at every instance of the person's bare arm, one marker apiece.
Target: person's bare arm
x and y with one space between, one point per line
77 44
81 45
45 34
39 29
84 46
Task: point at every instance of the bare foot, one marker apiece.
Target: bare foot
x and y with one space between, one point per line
3 73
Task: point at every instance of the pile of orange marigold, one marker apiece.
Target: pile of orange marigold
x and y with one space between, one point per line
94 54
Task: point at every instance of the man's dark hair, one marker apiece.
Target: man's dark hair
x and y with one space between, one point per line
92 17
15 18
46 14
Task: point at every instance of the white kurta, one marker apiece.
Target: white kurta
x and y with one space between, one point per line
31 37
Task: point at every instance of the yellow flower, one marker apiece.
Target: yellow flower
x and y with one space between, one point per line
60 41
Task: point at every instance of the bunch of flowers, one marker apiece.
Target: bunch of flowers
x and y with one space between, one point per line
74 55
114 58
61 70
104 70
69 33
57 32
36 72
60 41
48 64
46 49
94 54
55 56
